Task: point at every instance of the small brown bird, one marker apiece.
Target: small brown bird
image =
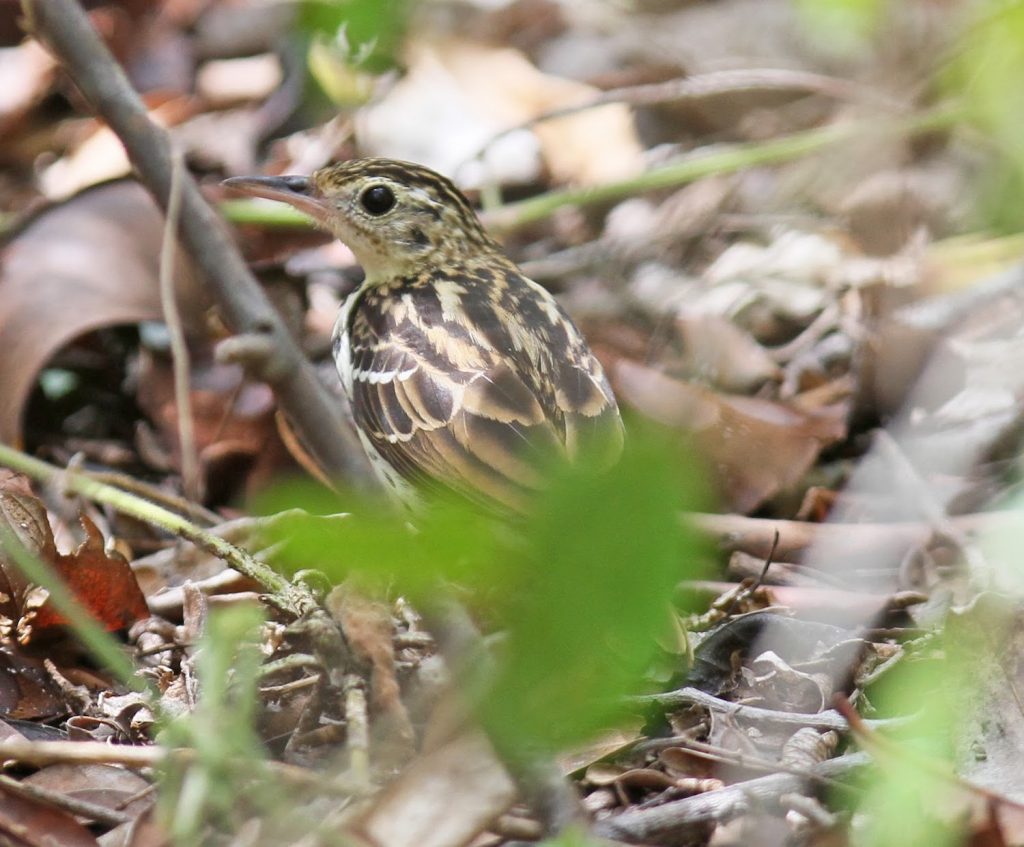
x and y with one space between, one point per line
463 375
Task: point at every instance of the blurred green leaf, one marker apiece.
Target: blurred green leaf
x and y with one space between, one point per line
572 837
605 553
844 25
580 588
230 761
374 26
985 73
913 795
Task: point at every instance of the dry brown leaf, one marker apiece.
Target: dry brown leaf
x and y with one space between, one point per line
719 352
29 823
103 583
88 263
101 156
443 799
144 831
26 73
756 447
457 96
233 420
225 82
112 787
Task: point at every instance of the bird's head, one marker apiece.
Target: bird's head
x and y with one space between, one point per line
394 216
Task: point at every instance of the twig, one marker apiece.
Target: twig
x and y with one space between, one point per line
157 495
43 753
294 597
755 535
707 85
720 159
180 359
747 761
357 721
666 824
695 697
65 802
66 30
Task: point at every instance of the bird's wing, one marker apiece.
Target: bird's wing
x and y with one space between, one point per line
478 394
593 428
482 434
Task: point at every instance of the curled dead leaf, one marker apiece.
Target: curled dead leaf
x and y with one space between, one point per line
102 582
89 263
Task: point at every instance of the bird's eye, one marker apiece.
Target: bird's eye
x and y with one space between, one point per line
377 199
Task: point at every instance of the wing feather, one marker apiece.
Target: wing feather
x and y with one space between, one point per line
475 411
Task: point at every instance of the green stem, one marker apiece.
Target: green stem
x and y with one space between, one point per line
722 159
293 597
263 213
703 162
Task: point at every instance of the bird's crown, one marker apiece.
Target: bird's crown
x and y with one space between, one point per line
404 210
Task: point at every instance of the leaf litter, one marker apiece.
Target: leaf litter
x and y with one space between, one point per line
833 336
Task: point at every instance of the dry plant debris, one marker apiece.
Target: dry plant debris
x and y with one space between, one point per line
791 233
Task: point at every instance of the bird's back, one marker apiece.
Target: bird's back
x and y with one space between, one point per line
473 379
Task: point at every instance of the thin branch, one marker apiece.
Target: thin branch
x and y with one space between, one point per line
16 748
711 84
668 823
180 360
756 535
710 161
830 719
65 29
294 597
148 491
65 802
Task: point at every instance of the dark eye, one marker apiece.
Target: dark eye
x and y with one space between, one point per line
377 199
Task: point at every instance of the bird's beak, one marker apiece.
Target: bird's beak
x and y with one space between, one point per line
297 191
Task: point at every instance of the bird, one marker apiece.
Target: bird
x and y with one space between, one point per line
463 375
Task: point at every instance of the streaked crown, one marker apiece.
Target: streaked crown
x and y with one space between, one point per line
396 216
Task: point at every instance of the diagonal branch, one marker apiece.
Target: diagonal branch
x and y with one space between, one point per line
67 32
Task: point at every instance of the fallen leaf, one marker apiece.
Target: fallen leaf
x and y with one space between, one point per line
26 73
457 96
44 824
112 787
232 418
101 156
756 447
89 263
103 583
225 82
720 353
417 809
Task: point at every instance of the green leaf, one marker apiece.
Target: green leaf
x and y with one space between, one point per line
842 26
580 589
230 762
375 27
604 554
